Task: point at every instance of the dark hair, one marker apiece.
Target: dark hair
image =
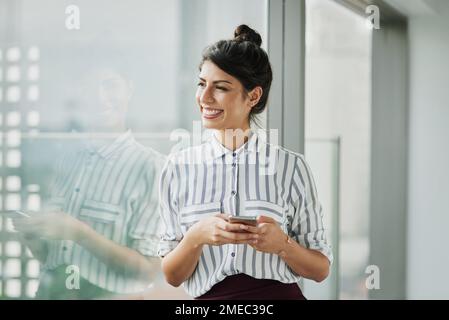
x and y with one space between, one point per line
244 59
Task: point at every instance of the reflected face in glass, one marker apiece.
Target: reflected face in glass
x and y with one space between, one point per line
106 96
223 101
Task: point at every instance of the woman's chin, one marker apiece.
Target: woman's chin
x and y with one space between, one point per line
208 124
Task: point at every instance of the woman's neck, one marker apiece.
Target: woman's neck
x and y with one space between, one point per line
232 139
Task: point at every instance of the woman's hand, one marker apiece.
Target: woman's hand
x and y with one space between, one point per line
54 225
271 237
216 230
308 263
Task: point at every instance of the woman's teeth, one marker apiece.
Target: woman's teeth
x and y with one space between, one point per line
211 113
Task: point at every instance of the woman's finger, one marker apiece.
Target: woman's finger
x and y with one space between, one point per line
231 227
265 219
263 228
249 228
222 240
254 245
236 236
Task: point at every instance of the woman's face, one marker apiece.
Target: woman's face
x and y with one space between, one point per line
106 96
223 101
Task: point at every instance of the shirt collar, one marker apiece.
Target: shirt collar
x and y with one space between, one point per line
218 150
122 141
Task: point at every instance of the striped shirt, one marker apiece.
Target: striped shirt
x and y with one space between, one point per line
257 179
113 189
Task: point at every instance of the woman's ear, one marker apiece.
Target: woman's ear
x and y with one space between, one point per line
254 96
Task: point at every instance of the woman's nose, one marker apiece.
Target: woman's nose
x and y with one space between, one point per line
206 96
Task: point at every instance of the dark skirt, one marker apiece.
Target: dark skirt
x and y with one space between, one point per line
244 287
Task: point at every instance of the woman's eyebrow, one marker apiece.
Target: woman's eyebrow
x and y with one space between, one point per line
217 81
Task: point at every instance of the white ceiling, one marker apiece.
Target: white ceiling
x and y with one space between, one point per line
411 8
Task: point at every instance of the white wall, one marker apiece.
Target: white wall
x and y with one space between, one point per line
428 194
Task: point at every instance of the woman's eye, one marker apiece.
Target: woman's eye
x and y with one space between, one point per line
222 88
201 84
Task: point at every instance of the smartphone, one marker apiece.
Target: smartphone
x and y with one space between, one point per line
22 214
16 214
250 221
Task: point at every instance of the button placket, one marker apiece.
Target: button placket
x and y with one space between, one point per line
234 176
79 179
80 188
234 191
90 159
66 248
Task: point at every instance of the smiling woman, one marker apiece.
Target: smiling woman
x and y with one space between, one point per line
219 96
215 257
234 73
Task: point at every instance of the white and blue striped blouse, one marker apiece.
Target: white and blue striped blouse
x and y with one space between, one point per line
113 189
257 179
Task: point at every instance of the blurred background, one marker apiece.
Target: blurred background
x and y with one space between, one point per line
367 104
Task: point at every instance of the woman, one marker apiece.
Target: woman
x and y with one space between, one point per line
202 186
97 235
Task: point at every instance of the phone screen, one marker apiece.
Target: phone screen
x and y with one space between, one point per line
252 221
22 214
15 214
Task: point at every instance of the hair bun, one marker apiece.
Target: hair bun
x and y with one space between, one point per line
245 33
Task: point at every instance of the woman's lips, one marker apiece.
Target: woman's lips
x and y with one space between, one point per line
209 113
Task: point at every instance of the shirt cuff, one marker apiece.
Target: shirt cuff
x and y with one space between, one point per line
166 246
317 245
325 249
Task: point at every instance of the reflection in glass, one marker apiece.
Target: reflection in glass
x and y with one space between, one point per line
153 50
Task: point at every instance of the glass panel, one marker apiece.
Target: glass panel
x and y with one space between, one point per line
32 270
13 54
31 288
13 119
13 94
12 269
13 288
12 249
67 91
323 156
13 74
33 73
338 71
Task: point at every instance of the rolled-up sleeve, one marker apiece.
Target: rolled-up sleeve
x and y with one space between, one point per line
170 231
307 224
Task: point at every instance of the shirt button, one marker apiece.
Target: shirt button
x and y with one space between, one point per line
77 189
233 193
233 164
234 154
64 248
233 254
